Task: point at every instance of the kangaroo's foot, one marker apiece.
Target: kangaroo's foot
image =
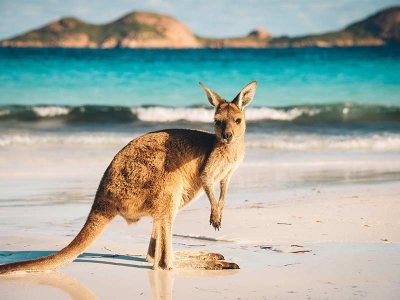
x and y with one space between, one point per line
162 267
202 260
205 264
198 255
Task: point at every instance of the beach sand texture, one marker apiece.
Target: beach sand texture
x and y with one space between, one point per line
298 229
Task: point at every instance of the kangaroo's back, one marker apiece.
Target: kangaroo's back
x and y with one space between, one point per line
141 173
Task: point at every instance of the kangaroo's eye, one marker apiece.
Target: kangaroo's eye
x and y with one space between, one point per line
238 121
218 122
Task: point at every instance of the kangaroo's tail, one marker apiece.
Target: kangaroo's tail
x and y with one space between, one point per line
95 224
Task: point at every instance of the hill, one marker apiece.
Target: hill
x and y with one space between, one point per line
379 29
135 30
151 30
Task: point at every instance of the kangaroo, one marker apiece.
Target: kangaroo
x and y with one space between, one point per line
155 175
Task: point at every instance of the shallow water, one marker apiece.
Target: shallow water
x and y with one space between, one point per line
131 77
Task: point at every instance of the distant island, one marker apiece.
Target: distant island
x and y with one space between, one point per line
151 30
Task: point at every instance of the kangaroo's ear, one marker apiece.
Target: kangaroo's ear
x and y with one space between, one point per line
246 95
212 96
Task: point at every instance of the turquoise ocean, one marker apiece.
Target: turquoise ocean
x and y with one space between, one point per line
307 99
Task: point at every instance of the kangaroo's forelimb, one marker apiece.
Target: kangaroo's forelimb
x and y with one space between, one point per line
224 183
208 185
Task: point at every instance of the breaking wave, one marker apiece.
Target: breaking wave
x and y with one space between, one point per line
158 114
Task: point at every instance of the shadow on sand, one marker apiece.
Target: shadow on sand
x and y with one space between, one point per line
161 282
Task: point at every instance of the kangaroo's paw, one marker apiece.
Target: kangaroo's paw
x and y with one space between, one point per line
215 219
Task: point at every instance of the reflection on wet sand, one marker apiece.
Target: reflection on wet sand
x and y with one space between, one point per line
58 280
189 264
161 281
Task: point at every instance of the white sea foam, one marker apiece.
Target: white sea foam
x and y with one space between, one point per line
169 114
50 111
265 113
69 139
4 112
376 142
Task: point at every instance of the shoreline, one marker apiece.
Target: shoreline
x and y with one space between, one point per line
279 47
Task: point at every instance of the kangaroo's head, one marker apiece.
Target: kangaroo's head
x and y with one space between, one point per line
229 122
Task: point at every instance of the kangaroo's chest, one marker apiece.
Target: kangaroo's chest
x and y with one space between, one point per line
227 165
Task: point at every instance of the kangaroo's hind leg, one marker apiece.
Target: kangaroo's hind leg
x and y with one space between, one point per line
163 250
152 245
163 219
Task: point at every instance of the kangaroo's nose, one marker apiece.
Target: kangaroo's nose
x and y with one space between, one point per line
227 136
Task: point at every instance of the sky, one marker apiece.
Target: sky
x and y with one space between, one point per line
211 18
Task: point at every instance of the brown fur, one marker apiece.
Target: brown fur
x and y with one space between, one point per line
156 175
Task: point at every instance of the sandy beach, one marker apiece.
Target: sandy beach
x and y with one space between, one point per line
298 229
